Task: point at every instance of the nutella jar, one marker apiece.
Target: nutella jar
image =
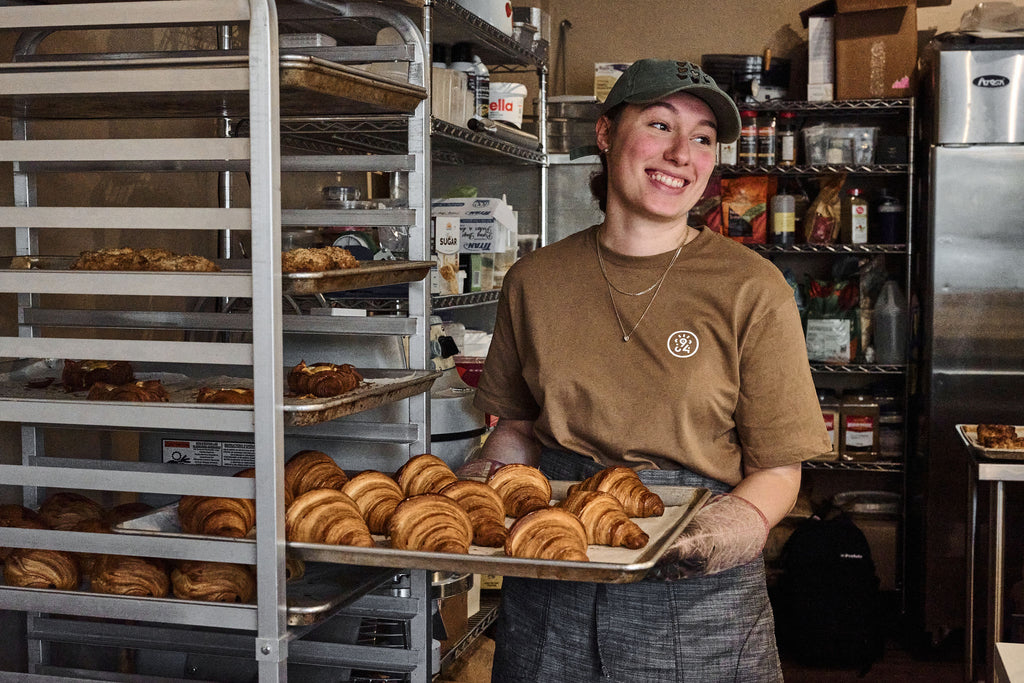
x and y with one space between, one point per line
859 423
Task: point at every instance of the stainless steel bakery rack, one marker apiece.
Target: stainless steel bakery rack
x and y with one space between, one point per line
119 102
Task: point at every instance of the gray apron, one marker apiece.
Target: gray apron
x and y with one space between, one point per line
711 629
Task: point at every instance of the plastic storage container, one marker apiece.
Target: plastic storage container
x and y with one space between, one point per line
890 325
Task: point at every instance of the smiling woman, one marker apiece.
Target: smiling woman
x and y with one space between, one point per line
674 372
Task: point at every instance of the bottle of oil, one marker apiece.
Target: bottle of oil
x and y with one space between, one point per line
853 227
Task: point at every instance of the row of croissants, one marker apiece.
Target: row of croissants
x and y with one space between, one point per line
424 506
113 574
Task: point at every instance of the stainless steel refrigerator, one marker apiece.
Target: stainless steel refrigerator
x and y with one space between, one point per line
971 296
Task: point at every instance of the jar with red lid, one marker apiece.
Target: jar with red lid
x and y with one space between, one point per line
787 138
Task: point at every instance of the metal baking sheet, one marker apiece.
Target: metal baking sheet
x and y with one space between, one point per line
380 386
606 565
368 274
309 86
969 434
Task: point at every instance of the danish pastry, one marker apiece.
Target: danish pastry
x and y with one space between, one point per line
323 380
231 396
145 391
80 375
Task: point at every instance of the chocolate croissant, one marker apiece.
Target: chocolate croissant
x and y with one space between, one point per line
126 511
218 516
64 509
485 509
548 534
87 561
213 581
41 568
308 470
146 391
432 523
522 488
377 496
130 575
20 517
323 379
424 473
625 485
605 520
326 516
79 375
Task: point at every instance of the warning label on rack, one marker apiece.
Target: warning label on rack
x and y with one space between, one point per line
223 453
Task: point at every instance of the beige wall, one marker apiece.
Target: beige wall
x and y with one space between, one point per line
615 31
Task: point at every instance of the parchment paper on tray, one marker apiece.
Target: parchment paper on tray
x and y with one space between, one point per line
969 435
606 565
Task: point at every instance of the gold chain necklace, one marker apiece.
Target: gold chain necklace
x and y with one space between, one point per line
612 288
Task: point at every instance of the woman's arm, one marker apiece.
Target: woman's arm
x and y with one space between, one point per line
772 490
511 441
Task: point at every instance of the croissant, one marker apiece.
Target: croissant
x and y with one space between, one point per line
212 581
294 567
64 509
21 517
625 485
126 511
485 509
147 391
130 575
40 568
308 470
605 520
233 396
326 516
548 534
424 473
79 375
432 523
216 515
522 488
376 494
323 379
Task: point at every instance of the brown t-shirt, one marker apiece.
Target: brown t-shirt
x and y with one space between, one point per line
715 375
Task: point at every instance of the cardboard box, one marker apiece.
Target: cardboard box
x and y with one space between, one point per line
444 278
875 47
485 222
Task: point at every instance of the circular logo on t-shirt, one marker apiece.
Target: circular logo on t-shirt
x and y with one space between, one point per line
682 344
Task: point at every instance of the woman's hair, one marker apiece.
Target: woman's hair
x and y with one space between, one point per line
599 179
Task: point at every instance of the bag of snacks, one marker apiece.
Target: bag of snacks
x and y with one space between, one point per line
821 225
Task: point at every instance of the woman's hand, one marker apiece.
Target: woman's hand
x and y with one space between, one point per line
510 441
732 529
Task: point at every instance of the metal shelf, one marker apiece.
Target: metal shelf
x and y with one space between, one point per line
859 107
830 248
815 170
858 369
457 145
840 465
478 625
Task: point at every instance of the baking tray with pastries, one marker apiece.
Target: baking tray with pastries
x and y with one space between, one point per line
516 522
108 573
316 392
305 271
994 441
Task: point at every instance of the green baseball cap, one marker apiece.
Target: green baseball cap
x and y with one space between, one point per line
649 80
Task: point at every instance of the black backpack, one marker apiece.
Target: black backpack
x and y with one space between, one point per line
827 603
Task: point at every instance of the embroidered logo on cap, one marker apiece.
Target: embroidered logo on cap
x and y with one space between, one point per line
683 344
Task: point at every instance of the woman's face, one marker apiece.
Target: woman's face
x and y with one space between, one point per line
660 156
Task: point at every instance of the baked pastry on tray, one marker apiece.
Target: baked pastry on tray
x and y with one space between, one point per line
80 375
144 391
154 259
323 380
231 396
317 260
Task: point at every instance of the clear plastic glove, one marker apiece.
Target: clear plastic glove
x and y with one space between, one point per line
727 532
478 468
